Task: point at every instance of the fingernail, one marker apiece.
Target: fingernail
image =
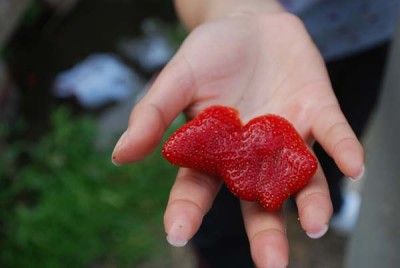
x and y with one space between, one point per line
114 161
119 144
175 236
318 234
360 175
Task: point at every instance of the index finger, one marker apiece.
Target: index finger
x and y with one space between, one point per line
171 92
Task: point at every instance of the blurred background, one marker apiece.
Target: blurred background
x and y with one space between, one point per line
70 73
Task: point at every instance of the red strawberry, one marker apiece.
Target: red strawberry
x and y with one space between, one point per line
265 160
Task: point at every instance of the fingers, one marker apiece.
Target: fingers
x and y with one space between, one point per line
315 206
190 199
169 95
266 232
335 135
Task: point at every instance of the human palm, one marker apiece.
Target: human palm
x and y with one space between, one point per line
259 65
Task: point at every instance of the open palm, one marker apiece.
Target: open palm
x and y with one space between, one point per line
258 65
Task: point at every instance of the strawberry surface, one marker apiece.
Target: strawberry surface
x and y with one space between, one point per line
264 160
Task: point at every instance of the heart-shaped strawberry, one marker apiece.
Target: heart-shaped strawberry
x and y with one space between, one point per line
265 160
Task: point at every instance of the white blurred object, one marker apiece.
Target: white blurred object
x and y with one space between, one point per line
98 80
151 51
345 221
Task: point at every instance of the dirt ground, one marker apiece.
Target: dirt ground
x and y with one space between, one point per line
326 252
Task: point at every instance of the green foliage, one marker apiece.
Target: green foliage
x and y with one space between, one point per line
68 206
176 34
32 13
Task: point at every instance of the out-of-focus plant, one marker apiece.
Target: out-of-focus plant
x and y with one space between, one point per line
63 204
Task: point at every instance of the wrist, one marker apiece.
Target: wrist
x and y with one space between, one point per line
194 13
239 8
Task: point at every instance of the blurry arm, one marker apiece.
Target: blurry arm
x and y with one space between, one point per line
194 12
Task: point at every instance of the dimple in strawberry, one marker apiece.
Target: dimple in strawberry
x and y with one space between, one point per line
265 160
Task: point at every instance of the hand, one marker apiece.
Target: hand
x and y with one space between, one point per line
257 64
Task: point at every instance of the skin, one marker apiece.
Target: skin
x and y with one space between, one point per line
259 61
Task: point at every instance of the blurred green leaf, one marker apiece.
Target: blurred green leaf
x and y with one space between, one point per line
68 206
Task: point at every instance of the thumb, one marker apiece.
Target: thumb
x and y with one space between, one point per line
171 92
